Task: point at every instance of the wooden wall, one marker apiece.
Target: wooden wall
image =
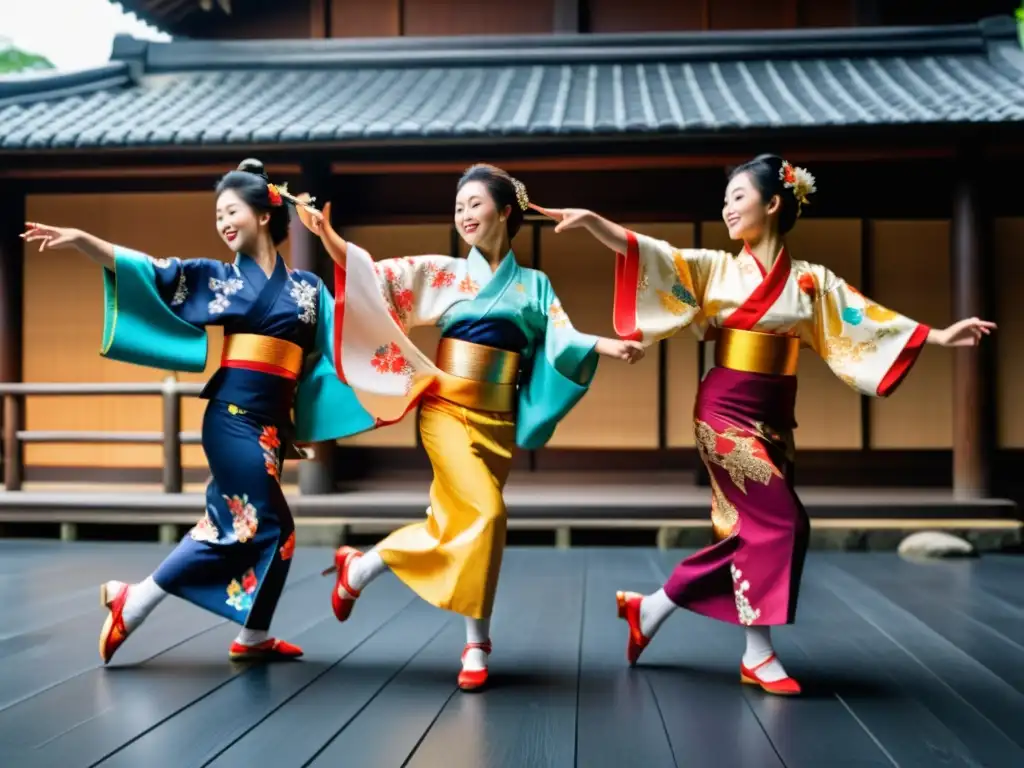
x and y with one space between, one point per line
909 272
356 18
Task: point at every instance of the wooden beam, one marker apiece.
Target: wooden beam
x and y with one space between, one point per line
12 291
318 21
970 380
638 163
137 172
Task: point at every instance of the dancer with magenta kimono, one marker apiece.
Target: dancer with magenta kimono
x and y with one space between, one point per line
277 354
759 307
509 367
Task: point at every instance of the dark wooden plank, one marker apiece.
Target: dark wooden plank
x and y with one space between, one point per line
693 669
968 698
618 720
528 717
388 730
97 711
848 658
218 720
296 732
922 591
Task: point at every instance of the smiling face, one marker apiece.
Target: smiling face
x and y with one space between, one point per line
237 224
745 213
477 218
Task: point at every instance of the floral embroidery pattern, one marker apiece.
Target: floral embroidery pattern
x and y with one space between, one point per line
161 263
557 315
747 613
807 285
740 454
241 593
243 517
204 530
180 291
398 298
724 515
288 548
645 282
234 410
389 359
679 299
270 442
468 285
843 350
440 278
221 290
304 295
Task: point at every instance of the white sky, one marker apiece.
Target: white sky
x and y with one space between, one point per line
73 34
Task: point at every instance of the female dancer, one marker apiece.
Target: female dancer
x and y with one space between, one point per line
760 306
234 562
509 367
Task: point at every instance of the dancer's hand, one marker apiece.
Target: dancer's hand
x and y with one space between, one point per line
567 218
620 349
53 238
965 333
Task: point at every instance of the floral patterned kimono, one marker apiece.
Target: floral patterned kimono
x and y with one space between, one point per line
744 414
277 355
509 367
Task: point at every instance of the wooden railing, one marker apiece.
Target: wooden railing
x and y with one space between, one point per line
171 437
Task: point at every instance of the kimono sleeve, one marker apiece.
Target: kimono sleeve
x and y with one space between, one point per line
326 408
869 347
412 288
556 377
150 317
659 289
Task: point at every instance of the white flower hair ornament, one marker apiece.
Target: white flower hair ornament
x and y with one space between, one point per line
800 181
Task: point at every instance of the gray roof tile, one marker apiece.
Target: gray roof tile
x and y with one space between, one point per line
238 93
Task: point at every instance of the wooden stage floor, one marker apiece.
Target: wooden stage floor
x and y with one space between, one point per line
903 664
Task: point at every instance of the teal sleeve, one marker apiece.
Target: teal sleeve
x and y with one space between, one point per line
557 376
139 327
325 407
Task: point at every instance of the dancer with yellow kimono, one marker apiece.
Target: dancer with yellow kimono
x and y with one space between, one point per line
508 368
759 307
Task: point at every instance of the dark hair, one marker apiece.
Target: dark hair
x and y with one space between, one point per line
765 173
502 189
250 182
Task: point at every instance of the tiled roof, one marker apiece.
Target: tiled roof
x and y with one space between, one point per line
182 94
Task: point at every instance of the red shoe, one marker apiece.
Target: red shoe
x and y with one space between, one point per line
269 650
114 632
787 686
474 679
343 558
629 609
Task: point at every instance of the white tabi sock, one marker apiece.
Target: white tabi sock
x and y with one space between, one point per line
477 631
365 569
252 637
142 599
759 648
654 609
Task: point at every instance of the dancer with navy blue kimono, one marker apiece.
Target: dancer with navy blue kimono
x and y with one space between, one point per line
277 355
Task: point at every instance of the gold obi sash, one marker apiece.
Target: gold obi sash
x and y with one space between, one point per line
479 377
754 352
262 353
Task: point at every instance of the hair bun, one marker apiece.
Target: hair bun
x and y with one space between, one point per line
253 166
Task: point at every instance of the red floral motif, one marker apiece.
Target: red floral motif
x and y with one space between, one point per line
249 581
404 300
389 359
806 283
275 196
788 174
288 548
269 439
243 517
442 279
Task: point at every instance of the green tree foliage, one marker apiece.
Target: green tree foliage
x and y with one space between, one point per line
15 60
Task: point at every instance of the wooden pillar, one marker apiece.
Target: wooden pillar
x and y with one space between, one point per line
316 475
972 380
12 288
567 17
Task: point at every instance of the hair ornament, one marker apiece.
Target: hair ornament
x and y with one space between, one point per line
279 193
800 180
521 197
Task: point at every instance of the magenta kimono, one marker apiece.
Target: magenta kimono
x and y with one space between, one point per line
744 414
